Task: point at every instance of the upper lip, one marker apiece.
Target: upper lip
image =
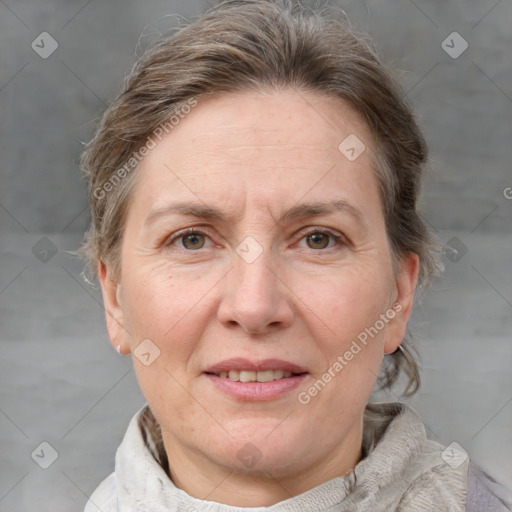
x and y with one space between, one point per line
256 366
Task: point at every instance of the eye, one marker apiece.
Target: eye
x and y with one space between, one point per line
321 239
191 239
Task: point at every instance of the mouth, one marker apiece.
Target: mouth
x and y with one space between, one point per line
255 381
255 376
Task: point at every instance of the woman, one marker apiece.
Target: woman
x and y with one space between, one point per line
253 193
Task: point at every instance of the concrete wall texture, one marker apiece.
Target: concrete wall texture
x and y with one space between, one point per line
62 383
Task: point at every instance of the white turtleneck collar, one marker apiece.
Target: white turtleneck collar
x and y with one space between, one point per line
401 470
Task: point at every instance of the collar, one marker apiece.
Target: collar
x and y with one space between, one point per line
401 470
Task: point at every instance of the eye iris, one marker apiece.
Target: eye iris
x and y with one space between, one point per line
193 241
319 240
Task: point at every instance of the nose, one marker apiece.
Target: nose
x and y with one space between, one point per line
256 297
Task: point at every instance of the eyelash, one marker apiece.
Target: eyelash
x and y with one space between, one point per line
339 240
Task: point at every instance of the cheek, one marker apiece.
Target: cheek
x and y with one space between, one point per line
343 311
170 308
345 303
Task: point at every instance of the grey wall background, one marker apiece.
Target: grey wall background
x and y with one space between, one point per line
63 384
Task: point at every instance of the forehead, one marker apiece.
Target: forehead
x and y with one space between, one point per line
265 145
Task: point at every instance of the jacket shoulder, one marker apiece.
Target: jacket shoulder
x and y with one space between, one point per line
484 494
104 497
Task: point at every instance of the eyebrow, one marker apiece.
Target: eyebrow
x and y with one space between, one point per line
316 209
296 212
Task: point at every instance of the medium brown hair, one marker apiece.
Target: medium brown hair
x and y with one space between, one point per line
242 45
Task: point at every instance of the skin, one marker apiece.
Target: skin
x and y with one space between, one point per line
305 299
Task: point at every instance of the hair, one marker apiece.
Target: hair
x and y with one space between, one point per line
255 45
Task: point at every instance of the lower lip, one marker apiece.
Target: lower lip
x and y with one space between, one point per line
256 390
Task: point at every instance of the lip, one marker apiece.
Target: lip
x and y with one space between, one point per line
255 391
255 366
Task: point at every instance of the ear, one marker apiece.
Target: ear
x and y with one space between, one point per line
114 313
405 283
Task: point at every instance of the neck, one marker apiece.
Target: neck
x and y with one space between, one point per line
203 478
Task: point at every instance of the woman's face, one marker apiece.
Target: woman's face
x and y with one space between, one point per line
253 242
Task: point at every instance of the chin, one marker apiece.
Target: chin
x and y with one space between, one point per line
265 448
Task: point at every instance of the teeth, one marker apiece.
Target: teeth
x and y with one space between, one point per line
247 376
265 376
252 376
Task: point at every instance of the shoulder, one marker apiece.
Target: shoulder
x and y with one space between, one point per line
104 497
410 464
109 496
397 430
484 494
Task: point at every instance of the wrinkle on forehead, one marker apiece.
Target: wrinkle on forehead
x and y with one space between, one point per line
236 147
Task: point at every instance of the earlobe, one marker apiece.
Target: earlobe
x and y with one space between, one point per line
114 314
405 287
